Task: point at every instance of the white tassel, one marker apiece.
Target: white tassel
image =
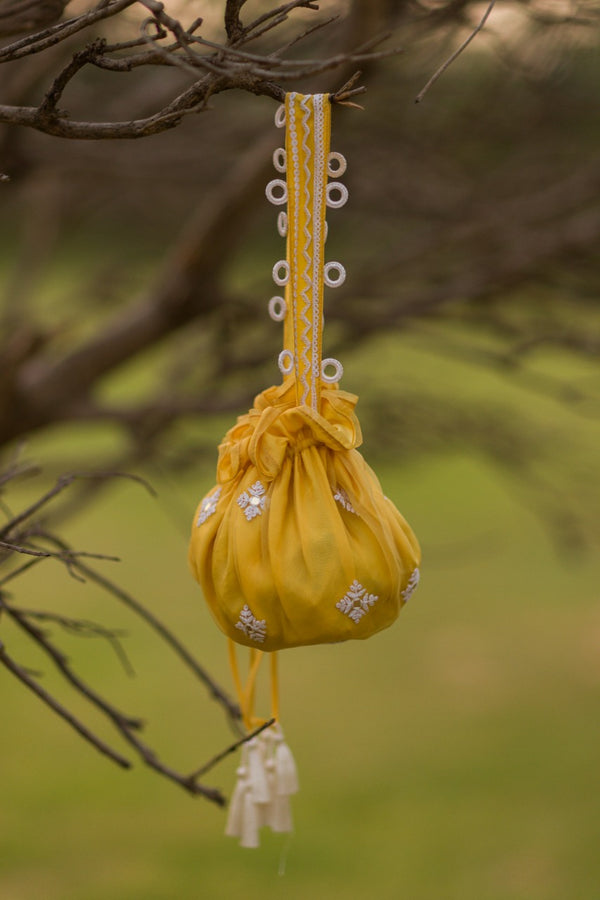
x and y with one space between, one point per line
267 777
250 822
266 751
257 779
236 806
283 778
267 809
286 773
243 822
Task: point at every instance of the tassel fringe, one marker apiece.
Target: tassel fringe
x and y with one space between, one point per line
266 779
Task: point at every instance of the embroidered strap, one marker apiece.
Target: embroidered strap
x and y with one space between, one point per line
306 162
308 129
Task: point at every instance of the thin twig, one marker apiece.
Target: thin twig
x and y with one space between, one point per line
125 725
231 749
43 40
301 37
280 13
62 483
85 628
25 678
233 25
348 90
19 571
216 692
456 53
18 470
22 618
67 556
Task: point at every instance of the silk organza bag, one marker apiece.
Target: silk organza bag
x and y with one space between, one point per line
297 543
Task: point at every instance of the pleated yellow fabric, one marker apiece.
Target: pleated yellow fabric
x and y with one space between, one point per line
297 544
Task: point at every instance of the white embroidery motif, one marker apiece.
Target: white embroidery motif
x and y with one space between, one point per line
342 498
255 629
357 602
252 501
208 506
411 587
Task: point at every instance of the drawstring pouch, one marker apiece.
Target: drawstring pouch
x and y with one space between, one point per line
297 544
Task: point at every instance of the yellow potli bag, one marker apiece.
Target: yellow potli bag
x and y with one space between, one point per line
297 543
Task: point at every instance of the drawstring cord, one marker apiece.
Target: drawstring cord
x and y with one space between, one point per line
246 692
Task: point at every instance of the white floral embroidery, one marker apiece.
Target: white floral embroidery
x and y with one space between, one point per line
255 629
342 498
208 506
356 602
411 587
252 501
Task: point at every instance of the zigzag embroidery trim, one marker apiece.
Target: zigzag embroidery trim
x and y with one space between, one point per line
319 186
293 219
308 280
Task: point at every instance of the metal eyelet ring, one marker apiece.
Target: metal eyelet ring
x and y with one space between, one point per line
336 171
277 309
279 185
282 223
279 159
280 116
335 267
339 370
277 268
343 192
286 362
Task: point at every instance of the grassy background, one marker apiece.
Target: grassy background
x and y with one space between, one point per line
453 756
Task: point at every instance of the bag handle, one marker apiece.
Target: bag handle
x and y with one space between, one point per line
307 162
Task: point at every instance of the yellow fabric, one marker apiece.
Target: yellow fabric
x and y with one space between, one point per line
294 562
297 543
307 150
245 691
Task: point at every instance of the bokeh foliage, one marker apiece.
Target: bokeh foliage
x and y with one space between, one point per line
453 756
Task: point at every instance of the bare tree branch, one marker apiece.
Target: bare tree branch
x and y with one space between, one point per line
127 726
219 757
62 484
43 40
159 627
84 628
224 68
21 674
186 289
456 53
66 556
18 16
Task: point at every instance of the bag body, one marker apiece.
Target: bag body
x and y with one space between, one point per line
297 543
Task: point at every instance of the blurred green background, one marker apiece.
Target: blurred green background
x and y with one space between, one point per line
455 756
